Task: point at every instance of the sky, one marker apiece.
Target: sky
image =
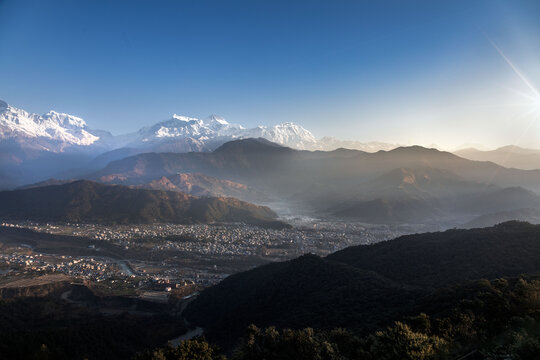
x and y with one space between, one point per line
449 73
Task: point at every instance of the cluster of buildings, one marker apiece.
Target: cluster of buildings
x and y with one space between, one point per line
229 239
83 268
164 257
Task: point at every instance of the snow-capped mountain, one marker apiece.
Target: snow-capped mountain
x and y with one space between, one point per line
179 127
181 134
57 132
288 134
207 134
34 147
52 131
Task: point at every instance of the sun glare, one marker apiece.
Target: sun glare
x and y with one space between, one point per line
532 95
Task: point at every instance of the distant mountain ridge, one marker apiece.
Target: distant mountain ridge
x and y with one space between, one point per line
528 215
87 201
411 185
507 156
195 184
238 159
406 184
203 185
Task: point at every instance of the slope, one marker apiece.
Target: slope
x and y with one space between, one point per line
86 201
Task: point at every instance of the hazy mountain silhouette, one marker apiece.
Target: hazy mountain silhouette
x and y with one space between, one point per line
407 184
529 215
508 156
86 201
203 185
255 159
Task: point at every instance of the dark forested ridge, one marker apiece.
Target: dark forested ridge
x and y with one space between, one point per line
87 201
308 291
48 328
365 287
453 256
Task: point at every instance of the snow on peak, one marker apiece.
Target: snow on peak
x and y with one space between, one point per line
214 119
181 127
288 134
65 119
183 118
58 131
215 127
63 129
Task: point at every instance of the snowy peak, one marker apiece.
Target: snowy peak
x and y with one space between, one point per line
59 129
182 127
176 127
66 120
217 120
214 129
288 134
182 118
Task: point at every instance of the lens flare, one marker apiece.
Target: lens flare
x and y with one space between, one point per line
532 96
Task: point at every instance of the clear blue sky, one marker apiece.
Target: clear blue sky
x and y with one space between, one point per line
400 71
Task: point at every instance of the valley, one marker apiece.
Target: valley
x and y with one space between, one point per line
145 274
200 254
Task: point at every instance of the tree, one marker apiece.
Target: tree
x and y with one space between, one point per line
400 342
196 349
270 344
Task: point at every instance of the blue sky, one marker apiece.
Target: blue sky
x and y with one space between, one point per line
409 72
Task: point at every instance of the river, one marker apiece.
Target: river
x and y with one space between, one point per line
198 331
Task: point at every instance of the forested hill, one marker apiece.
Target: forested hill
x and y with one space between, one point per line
307 291
453 256
88 201
364 287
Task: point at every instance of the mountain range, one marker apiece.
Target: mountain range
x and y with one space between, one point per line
35 147
407 184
